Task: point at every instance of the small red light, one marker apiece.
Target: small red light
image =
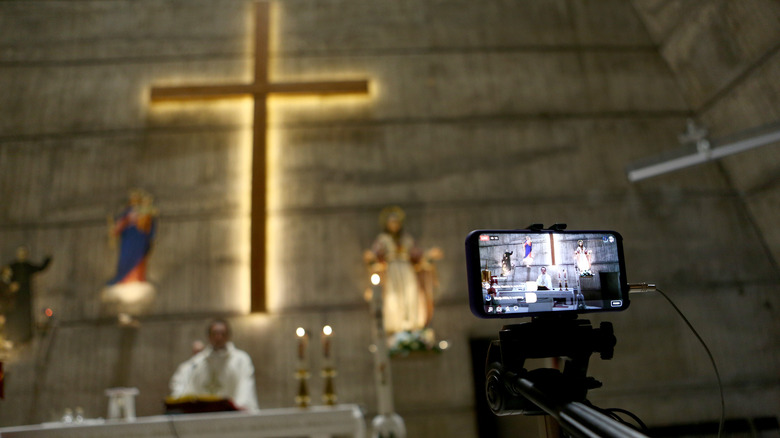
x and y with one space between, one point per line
48 312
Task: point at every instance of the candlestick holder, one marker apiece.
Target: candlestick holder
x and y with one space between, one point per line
303 399
329 390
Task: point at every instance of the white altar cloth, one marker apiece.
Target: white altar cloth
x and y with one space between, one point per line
315 422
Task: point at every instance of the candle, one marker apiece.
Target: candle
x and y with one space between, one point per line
302 399
376 303
328 373
327 331
302 344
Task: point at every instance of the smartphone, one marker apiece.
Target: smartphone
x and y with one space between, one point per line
519 273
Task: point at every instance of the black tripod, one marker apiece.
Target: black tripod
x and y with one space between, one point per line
511 389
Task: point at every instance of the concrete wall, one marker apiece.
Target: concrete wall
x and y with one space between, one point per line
482 115
725 57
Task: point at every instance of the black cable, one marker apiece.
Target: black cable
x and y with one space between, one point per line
712 359
638 421
606 412
611 413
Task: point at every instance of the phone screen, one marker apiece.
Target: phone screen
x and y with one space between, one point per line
517 273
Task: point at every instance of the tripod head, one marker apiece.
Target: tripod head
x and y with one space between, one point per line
574 340
499 289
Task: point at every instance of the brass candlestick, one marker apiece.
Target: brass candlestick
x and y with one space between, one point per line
302 375
328 371
329 391
303 400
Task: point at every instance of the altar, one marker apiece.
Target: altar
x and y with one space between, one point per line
314 422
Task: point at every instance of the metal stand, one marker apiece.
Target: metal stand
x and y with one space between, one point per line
511 389
386 424
329 391
302 399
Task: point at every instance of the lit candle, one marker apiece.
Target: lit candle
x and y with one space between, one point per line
376 302
327 331
302 344
382 374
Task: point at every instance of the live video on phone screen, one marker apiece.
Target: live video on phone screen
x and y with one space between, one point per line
548 272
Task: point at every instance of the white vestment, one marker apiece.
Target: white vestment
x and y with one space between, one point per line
544 280
227 373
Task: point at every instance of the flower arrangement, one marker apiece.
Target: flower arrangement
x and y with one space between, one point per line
410 341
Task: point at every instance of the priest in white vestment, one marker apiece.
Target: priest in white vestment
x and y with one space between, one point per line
544 279
220 370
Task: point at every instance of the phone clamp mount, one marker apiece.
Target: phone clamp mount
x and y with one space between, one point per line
511 389
553 227
575 340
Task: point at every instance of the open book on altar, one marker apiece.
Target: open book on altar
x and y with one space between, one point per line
197 404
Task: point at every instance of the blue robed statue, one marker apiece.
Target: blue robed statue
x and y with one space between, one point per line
135 229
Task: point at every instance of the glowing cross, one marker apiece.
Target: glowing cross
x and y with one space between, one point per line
259 89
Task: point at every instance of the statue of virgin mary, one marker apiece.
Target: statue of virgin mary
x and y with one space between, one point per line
135 228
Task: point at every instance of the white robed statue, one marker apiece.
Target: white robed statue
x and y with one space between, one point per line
583 259
408 274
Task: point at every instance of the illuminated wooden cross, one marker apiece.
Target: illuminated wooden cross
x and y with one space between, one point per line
259 89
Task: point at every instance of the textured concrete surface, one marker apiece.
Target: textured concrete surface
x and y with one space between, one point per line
492 114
